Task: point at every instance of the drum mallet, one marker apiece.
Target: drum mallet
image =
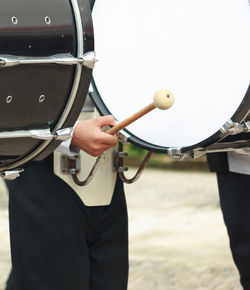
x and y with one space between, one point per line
163 99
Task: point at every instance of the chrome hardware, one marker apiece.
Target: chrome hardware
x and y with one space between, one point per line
70 164
180 156
64 134
11 174
41 134
9 99
42 98
232 128
175 153
123 137
14 20
47 20
88 60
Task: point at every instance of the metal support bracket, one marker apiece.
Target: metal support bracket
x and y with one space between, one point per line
70 164
120 156
91 174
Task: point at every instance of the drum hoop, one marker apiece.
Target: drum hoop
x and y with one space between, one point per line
73 94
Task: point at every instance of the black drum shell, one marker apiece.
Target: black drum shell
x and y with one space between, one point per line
32 36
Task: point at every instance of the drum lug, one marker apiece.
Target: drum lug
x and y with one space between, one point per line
178 155
11 174
233 128
88 59
64 134
123 138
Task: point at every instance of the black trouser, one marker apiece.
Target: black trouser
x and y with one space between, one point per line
234 190
57 243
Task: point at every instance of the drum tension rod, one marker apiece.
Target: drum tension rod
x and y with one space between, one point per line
88 60
121 168
41 134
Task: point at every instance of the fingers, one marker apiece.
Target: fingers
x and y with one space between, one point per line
107 139
106 121
97 151
89 137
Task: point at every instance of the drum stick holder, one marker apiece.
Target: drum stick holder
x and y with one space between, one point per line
121 168
71 166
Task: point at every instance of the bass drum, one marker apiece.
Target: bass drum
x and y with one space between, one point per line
43 82
197 49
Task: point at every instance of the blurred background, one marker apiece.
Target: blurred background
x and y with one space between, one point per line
177 236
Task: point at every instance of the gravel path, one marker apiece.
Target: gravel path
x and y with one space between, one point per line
177 236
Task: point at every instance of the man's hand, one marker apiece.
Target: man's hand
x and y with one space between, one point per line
89 137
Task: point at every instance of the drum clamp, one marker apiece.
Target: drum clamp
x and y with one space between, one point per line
88 60
180 156
11 174
42 134
70 164
119 161
234 128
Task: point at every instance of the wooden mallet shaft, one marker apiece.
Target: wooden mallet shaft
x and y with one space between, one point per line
114 130
163 99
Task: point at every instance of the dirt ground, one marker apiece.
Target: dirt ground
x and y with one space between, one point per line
177 236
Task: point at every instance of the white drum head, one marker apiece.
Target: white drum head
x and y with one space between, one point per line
197 49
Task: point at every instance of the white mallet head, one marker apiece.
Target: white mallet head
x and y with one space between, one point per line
163 99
